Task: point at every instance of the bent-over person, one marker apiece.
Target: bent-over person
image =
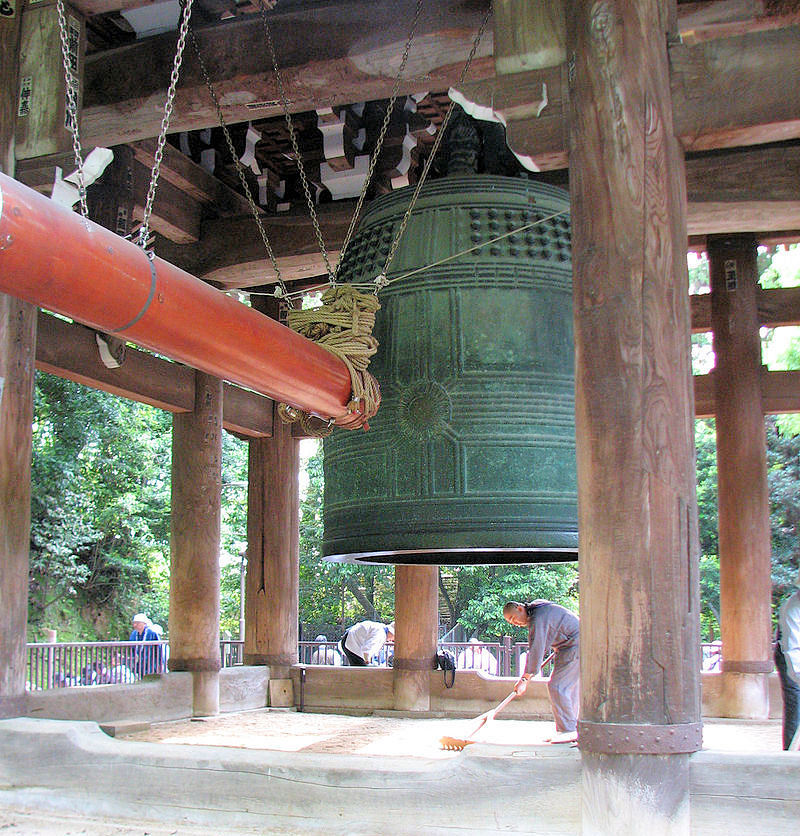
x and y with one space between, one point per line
551 626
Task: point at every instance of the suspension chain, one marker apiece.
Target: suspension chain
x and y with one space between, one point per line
293 138
144 230
379 143
284 293
72 106
381 280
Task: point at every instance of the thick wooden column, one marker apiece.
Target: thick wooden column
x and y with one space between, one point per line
743 493
17 355
416 600
194 574
640 677
273 552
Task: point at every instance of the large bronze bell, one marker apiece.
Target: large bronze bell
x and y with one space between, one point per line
471 457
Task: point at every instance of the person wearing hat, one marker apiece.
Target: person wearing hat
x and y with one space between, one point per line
551 626
365 640
145 658
787 661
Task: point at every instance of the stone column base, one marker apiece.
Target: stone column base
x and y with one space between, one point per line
205 693
744 696
412 690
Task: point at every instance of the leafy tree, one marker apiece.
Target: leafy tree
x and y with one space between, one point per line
99 507
783 463
335 595
493 586
706 458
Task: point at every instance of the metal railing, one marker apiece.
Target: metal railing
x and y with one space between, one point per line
67 664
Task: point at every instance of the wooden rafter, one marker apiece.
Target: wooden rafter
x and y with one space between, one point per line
70 351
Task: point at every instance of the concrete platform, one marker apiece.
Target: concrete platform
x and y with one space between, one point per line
73 767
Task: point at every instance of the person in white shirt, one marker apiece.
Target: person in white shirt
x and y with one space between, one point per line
476 657
365 640
787 662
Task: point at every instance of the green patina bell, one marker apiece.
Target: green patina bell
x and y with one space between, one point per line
471 457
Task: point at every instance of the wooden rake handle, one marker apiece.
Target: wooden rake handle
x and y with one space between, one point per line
490 714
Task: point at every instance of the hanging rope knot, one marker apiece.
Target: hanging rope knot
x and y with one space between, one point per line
343 325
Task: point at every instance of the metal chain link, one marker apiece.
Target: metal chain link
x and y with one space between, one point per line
72 106
295 146
144 230
381 280
379 143
284 292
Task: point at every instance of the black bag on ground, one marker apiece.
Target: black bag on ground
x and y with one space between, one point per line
446 662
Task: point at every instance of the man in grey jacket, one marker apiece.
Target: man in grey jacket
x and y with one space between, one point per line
551 626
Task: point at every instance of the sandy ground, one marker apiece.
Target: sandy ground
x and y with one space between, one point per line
290 731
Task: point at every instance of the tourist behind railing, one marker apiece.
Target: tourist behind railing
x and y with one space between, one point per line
146 659
325 654
476 657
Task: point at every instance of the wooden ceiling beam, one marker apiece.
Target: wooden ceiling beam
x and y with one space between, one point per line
751 189
725 195
705 20
725 93
189 177
70 351
231 252
325 53
173 215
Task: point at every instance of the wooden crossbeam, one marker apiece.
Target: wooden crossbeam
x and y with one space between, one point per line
231 252
70 351
779 306
780 393
192 179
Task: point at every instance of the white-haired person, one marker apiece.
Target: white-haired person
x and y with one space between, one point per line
147 658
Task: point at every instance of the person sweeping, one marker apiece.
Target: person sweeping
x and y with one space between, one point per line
551 626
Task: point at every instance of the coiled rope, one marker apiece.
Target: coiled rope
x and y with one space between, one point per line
342 325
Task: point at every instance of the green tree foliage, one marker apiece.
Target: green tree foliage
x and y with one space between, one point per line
705 440
99 508
331 594
783 463
492 586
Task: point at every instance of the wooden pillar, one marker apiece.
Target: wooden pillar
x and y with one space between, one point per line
743 493
640 672
273 553
17 355
416 600
195 539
